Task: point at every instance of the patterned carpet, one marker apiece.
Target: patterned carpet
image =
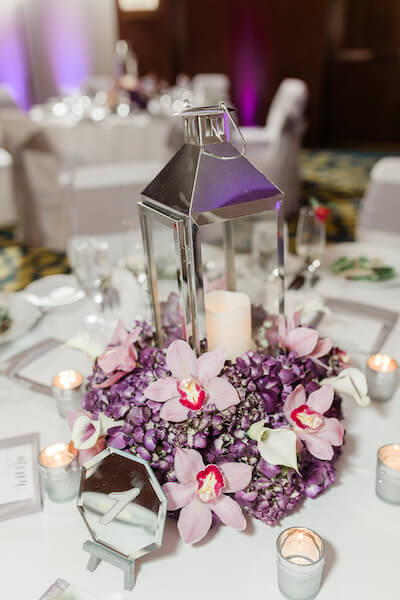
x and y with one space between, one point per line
339 177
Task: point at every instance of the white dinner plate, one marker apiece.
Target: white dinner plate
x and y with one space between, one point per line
389 256
23 316
54 291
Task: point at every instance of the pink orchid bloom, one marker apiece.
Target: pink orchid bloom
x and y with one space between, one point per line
119 358
302 340
201 490
193 383
306 418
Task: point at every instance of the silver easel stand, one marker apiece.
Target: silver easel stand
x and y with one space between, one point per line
98 553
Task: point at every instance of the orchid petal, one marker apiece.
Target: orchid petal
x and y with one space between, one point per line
293 401
181 360
209 365
174 411
317 445
229 511
302 340
221 393
322 348
187 464
162 390
78 432
294 320
179 495
256 430
194 521
321 399
133 335
237 476
110 380
332 430
120 334
278 447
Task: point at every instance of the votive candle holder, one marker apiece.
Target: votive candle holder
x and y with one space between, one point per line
382 374
60 471
67 389
300 561
388 473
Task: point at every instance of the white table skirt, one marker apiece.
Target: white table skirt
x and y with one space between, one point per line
362 532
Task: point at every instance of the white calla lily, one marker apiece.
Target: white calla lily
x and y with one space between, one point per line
276 446
350 381
101 426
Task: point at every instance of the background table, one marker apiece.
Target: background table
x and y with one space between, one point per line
361 531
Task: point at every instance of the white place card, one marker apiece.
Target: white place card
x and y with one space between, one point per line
20 492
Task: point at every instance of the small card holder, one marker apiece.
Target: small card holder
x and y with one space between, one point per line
20 492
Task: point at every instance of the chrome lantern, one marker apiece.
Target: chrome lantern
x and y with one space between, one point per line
200 214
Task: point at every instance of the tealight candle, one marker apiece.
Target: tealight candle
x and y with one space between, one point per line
228 320
60 473
381 376
388 473
300 556
67 391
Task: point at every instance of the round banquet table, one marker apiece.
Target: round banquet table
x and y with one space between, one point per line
362 532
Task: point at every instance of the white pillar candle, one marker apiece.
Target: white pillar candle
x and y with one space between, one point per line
301 556
388 473
228 319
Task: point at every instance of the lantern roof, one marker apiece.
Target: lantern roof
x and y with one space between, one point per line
211 182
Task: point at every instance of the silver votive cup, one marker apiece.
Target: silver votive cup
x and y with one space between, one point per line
300 561
60 473
67 387
382 373
388 473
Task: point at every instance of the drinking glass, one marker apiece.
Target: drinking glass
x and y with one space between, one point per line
133 253
310 240
90 261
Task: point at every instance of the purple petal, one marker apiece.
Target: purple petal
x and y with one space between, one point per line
194 521
162 389
179 495
237 476
181 360
221 393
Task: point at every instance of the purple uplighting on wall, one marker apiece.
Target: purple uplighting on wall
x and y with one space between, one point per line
66 42
248 65
13 66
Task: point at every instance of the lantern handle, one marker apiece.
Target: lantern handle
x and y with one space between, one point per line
223 106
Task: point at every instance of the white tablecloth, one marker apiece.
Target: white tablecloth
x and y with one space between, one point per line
361 531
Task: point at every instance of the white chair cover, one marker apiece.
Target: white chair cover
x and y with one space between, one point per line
7 206
213 87
380 208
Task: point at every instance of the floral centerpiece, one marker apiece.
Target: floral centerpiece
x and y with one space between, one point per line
255 436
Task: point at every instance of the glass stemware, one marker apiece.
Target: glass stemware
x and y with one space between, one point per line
310 240
90 261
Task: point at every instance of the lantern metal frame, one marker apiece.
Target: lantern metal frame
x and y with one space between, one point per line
206 139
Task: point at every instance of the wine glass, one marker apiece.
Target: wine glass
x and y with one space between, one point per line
310 240
90 261
133 253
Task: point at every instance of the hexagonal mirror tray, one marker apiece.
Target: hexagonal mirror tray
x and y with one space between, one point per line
123 507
